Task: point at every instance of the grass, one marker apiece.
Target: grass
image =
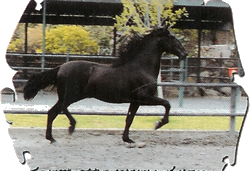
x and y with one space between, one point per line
140 122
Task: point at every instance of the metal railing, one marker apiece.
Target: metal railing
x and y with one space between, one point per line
234 94
171 69
181 84
232 112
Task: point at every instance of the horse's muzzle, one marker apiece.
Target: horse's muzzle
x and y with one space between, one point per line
183 56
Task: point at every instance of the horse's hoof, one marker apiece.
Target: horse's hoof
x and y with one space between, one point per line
128 140
159 124
71 130
131 145
51 139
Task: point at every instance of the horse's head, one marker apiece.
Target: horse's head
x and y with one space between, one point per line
170 44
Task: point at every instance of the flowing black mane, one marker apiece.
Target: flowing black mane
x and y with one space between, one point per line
134 45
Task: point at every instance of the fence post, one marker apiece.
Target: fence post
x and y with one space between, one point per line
44 35
67 57
159 88
181 89
233 109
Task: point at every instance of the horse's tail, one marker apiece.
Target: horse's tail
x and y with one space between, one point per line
38 82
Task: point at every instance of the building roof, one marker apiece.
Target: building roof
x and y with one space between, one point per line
216 14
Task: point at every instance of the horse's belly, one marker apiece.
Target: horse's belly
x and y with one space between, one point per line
122 93
113 94
119 85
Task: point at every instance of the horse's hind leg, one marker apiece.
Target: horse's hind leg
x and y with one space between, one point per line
52 114
71 119
130 117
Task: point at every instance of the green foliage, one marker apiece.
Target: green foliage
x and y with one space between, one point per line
142 15
16 45
61 39
35 38
104 36
188 38
17 41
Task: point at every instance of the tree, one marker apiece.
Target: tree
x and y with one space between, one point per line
17 41
35 32
142 15
16 46
104 37
61 39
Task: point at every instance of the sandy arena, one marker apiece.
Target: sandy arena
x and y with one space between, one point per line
105 150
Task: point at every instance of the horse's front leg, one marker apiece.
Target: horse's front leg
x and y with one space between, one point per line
165 118
130 117
158 101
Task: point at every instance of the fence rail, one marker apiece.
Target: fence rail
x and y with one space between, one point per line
182 70
232 113
170 65
180 84
234 94
224 114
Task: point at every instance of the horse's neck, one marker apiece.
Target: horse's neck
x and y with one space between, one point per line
150 61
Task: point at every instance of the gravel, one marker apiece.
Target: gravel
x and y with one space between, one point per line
105 150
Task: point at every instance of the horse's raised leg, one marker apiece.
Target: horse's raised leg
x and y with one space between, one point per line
165 119
158 101
52 114
130 117
71 120
167 106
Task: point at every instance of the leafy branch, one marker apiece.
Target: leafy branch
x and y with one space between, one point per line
142 15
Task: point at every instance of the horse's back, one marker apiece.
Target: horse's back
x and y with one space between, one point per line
76 65
78 68
72 78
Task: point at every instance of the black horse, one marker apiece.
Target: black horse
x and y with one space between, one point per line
131 79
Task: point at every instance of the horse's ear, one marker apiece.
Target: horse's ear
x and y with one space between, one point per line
165 26
165 23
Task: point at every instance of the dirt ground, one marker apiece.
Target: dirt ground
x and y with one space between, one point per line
105 150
